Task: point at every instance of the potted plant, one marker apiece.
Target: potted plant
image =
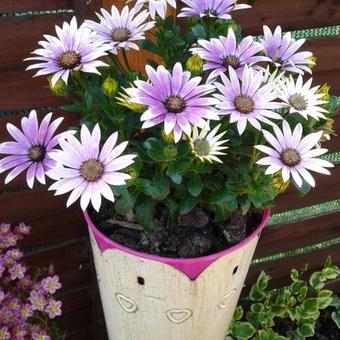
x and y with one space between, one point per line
175 166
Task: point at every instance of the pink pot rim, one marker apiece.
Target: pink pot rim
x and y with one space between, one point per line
192 267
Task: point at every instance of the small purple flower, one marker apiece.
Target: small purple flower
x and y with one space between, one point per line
224 52
51 284
53 308
26 311
175 100
4 333
32 148
2 295
89 173
211 8
10 239
5 228
293 155
23 229
73 50
17 271
248 100
25 283
39 336
6 315
120 30
282 50
19 332
15 254
14 304
37 300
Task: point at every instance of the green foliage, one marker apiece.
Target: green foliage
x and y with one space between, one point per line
297 305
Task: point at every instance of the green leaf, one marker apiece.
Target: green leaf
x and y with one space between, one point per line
310 306
126 202
173 173
199 31
305 330
72 108
149 46
257 307
195 185
187 205
317 280
325 298
238 313
243 330
222 196
145 213
294 275
297 286
336 318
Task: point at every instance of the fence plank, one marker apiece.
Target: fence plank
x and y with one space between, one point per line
327 188
279 270
290 14
21 34
307 232
20 91
10 6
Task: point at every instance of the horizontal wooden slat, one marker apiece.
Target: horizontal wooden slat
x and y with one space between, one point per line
30 205
10 6
21 91
21 34
290 14
56 227
279 270
310 231
327 189
71 263
327 70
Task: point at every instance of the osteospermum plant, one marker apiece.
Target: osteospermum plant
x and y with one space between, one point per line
207 134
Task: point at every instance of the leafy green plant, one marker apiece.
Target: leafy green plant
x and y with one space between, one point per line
287 313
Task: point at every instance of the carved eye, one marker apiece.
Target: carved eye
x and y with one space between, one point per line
235 270
140 280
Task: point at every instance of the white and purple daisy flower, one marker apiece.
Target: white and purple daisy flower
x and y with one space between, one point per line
247 100
31 149
301 98
87 172
120 30
222 52
293 155
174 99
159 7
282 50
211 8
72 50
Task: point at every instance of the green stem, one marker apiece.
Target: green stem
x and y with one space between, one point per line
118 65
126 60
87 88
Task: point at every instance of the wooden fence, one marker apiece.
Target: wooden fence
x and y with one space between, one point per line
302 231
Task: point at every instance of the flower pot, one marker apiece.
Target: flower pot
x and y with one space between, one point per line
148 297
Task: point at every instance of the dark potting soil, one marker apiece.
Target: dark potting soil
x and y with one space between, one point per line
194 235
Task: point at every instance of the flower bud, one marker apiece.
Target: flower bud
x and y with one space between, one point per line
324 89
59 89
110 87
313 62
195 64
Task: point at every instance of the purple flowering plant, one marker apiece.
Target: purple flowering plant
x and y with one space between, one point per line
27 301
219 122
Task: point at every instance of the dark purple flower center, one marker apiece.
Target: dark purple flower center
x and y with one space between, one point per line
120 34
91 170
231 60
36 153
298 102
175 104
290 157
69 60
244 104
211 12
